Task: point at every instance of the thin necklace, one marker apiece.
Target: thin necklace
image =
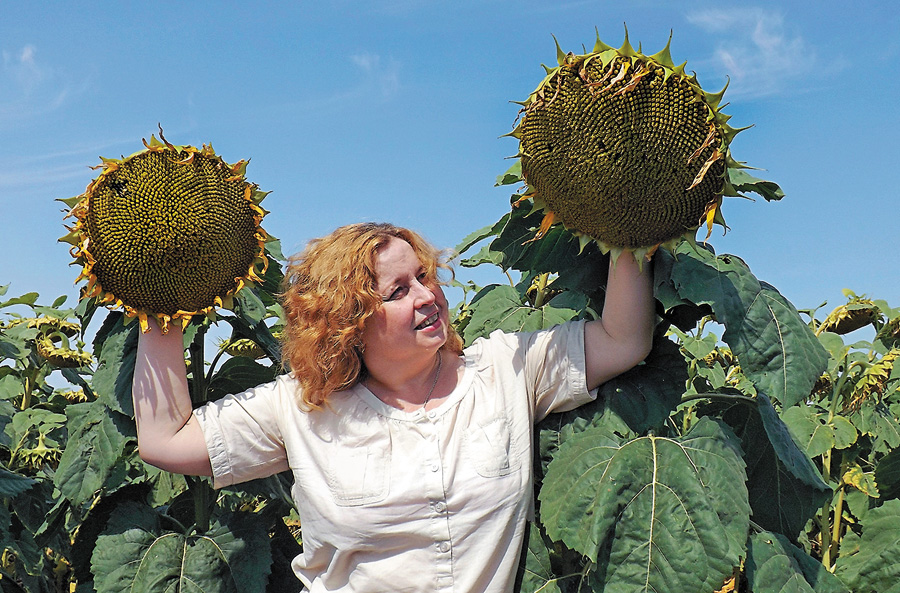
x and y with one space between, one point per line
437 374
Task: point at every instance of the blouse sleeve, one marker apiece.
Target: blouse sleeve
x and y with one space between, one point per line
549 362
243 435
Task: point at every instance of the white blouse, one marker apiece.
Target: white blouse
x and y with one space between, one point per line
408 501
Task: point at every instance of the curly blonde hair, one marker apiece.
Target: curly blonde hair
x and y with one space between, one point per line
329 292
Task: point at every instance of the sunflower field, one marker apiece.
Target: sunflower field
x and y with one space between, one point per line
756 449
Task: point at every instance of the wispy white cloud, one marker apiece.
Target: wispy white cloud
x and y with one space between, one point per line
28 87
758 52
369 78
34 172
383 77
21 70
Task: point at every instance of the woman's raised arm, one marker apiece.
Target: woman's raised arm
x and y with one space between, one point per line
169 437
623 336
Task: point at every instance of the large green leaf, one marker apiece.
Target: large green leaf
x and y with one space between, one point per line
645 395
166 485
29 298
774 565
879 421
628 405
274 276
94 523
35 506
14 342
785 488
476 237
96 442
249 305
135 553
815 432
558 252
115 369
27 559
13 484
501 307
512 175
655 514
11 387
873 566
777 351
556 428
887 475
744 182
237 375
535 570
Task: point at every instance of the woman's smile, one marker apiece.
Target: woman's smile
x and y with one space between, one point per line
430 320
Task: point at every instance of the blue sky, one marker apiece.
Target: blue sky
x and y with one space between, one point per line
393 110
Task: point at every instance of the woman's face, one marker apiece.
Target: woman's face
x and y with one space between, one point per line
413 319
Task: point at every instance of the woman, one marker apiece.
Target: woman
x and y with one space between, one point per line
411 457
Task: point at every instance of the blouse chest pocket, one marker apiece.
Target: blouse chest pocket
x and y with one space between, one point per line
491 448
359 475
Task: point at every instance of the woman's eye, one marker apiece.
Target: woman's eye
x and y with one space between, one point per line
398 293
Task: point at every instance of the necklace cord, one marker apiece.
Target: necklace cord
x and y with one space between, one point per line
437 374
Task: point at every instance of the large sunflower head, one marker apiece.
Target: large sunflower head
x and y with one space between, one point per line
625 148
168 232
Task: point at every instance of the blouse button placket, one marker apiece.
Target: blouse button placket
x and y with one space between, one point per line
434 489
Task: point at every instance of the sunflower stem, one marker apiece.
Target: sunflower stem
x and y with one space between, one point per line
26 397
541 294
200 386
215 362
836 527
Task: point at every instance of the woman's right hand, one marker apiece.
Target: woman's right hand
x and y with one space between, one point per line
169 436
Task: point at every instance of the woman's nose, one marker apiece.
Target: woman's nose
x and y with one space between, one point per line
424 294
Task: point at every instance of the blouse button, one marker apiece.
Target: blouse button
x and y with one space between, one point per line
444 547
435 467
440 507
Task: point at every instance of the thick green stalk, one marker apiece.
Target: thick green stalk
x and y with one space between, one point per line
203 499
541 290
830 529
832 551
29 387
198 378
200 489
